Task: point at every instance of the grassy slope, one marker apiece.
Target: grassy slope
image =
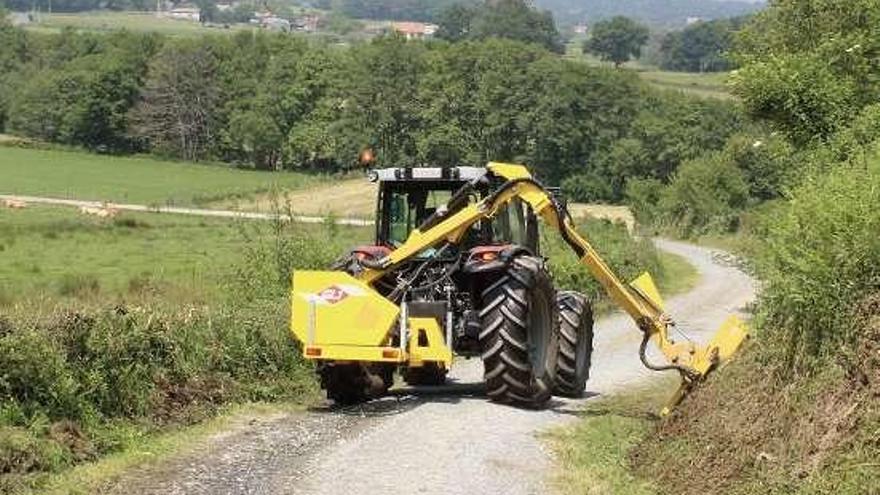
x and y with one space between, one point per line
71 174
593 453
823 436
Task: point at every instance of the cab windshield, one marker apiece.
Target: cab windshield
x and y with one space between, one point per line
409 209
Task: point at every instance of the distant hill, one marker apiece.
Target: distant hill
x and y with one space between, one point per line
666 13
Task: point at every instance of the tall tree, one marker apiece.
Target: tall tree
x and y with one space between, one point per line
178 110
702 47
617 40
455 22
509 19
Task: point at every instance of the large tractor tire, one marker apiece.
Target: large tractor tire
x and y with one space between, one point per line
429 374
518 339
349 384
575 344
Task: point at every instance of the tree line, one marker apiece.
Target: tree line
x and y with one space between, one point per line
704 46
279 102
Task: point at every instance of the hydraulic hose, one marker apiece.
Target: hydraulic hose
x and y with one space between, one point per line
686 372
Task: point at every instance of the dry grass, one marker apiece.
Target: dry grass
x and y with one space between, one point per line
613 213
357 198
349 198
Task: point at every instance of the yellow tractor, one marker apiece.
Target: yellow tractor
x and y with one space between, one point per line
456 270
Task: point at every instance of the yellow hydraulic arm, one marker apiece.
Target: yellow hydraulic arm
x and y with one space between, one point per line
640 300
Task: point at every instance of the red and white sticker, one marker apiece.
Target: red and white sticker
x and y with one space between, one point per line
332 294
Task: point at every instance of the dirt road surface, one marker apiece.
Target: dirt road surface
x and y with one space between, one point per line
353 203
449 443
175 210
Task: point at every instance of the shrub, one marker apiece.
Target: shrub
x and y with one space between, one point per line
820 253
800 94
588 188
706 195
82 372
643 195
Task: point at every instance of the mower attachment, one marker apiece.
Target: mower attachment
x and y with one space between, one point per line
340 318
693 361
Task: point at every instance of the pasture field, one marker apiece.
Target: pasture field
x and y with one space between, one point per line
130 21
139 180
705 85
58 252
711 85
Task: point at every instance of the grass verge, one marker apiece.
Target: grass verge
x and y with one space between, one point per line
593 453
157 449
677 274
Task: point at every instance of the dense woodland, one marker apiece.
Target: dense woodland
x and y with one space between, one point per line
701 47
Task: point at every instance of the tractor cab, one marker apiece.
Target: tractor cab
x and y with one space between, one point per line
410 197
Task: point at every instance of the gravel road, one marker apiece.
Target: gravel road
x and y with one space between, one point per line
176 210
440 443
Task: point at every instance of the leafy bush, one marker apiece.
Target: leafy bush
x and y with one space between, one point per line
820 253
706 195
800 94
643 196
149 366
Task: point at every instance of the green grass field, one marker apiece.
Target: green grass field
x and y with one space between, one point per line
71 174
57 252
706 85
710 85
131 21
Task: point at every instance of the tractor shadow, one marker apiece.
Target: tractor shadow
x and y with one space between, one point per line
402 399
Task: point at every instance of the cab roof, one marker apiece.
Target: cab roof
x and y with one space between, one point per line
434 174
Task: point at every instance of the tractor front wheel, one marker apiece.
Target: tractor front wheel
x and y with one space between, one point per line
575 344
518 339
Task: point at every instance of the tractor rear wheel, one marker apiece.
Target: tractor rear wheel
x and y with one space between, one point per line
575 344
518 338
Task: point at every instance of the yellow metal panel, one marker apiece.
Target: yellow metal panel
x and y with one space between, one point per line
647 288
347 311
509 171
435 350
724 344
